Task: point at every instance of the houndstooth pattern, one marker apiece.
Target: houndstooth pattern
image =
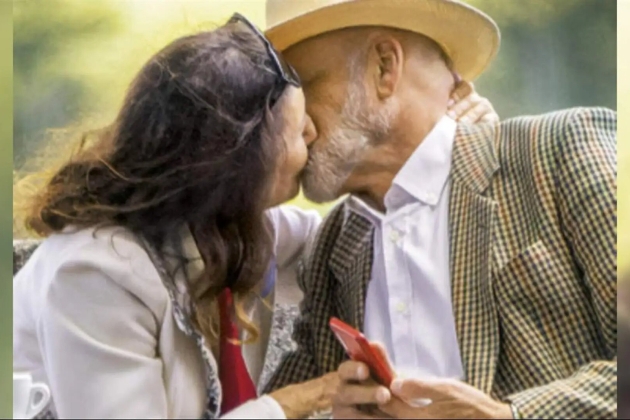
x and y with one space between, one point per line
533 267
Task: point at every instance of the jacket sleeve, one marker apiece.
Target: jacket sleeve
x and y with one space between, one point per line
586 187
294 228
310 328
99 342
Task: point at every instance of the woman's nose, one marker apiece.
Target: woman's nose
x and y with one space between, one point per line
310 133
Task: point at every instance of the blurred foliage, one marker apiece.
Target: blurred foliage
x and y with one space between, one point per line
42 38
74 59
6 262
534 13
554 54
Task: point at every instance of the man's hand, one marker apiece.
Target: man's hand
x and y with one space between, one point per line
441 399
359 397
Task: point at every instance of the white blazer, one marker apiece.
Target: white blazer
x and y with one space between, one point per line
94 319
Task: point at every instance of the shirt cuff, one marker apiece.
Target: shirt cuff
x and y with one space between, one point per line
264 407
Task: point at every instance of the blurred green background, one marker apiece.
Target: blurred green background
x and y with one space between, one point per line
74 59
6 262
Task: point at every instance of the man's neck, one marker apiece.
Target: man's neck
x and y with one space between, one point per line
372 179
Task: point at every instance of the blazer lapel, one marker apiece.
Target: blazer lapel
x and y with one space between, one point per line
351 264
472 217
260 308
174 279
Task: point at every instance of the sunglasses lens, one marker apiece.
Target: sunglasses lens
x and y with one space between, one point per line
287 72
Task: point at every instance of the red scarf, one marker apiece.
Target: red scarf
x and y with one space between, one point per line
236 383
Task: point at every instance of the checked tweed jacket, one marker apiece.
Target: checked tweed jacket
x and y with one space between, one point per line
533 267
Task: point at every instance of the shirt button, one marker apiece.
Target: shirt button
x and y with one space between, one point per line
401 307
394 236
431 197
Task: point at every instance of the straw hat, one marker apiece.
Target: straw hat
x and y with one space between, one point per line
469 37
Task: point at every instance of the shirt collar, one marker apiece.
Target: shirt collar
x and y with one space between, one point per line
427 170
422 177
355 205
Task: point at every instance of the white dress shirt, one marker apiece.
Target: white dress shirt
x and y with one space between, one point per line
408 304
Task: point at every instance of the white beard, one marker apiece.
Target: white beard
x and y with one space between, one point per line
329 167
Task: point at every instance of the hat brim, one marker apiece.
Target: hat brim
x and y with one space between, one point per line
469 37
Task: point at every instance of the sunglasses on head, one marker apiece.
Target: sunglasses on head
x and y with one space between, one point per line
286 73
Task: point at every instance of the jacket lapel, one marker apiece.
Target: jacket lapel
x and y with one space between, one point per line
172 273
351 264
472 218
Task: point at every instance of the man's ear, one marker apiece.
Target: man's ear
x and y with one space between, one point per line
387 57
458 83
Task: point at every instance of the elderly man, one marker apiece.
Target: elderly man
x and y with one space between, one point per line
482 257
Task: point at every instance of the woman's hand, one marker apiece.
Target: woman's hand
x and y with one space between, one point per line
468 107
302 400
358 395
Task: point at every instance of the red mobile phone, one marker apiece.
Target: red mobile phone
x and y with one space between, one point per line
360 350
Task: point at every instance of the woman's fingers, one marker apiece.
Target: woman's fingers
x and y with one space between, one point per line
462 106
463 90
482 111
351 370
468 107
355 394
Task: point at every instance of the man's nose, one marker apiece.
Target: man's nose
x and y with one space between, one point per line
310 133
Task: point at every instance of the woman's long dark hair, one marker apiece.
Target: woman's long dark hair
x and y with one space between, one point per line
194 144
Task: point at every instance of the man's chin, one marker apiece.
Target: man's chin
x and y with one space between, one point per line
317 195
